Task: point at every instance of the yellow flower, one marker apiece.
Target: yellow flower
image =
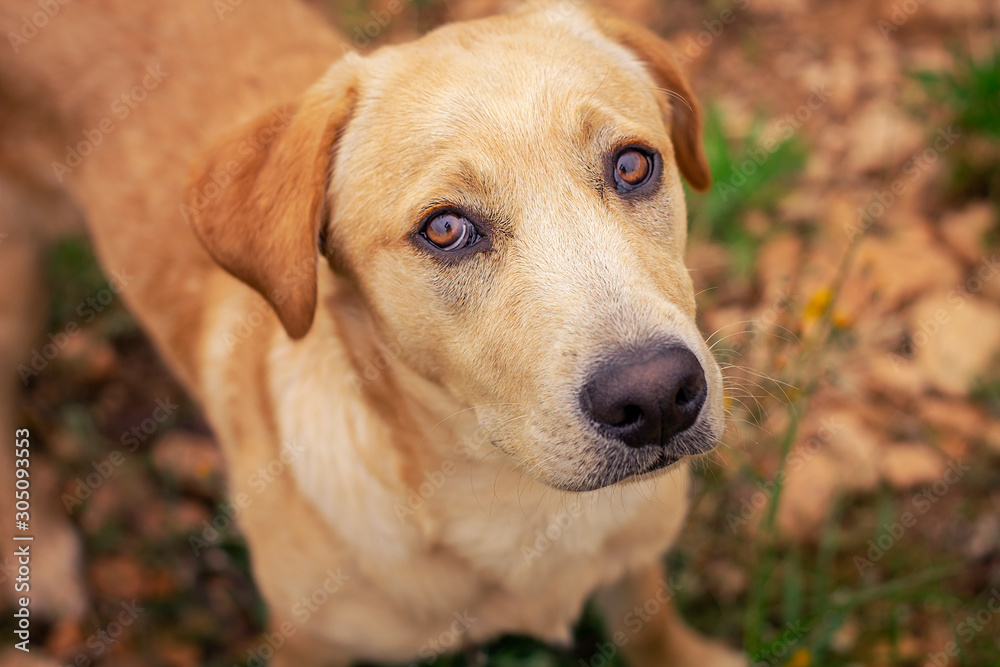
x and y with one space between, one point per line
817 305
801 658
202 469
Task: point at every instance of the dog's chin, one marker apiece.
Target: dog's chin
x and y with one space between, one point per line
607 476
618 464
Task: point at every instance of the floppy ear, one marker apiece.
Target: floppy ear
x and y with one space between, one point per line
258 197
685 113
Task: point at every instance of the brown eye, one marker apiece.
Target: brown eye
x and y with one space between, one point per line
449 231
632 169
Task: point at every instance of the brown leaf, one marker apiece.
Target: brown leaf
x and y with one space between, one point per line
909 464
956 339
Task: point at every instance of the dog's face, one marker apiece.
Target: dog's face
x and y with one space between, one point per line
505 196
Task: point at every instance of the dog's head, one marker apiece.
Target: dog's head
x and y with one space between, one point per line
506 195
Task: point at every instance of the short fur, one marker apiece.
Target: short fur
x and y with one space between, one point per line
426 410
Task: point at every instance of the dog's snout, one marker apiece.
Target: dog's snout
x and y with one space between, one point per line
646 399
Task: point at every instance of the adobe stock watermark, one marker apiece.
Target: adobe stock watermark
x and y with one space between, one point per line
784 129
224 8
293 276
121 108
380 20
696 45
882 200
435 479
901 12
448 639
967 630
301 611
558 523
372 369
229 511
927 328
247 150
776 651
634 621
84 487
782 301
87 310
921 503
31 25
104 639
766 490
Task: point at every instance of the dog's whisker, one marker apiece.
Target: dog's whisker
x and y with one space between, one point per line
677 96
762 375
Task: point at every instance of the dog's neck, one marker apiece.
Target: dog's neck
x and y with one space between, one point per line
343 394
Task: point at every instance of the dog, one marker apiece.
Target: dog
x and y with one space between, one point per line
442 291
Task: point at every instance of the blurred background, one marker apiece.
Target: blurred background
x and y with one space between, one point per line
847 261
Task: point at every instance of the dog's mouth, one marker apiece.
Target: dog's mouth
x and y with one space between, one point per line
638 414
665 460
609 465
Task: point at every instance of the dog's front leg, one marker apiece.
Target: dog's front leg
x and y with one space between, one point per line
642 621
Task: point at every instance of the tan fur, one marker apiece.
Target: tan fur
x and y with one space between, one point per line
424 414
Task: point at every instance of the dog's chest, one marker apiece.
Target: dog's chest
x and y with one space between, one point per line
538 553
472 535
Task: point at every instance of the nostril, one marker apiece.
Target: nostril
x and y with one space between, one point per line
646 398
632 414
690 392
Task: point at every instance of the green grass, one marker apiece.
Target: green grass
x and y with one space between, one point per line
81 295
74 275
969 97
749 174
987 392
972 92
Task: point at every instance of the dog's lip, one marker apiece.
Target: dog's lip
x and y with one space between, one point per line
662 462
659 466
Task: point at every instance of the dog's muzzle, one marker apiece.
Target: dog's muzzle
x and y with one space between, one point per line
644 399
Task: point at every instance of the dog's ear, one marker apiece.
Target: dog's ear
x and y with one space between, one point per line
685 114
258 198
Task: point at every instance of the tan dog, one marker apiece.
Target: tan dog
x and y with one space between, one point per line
484 375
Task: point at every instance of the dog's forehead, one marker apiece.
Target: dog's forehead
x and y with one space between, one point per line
502 100
522 79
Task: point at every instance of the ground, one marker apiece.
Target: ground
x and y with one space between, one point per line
848 268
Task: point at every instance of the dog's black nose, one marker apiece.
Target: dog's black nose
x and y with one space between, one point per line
646 398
